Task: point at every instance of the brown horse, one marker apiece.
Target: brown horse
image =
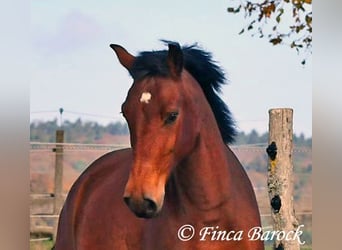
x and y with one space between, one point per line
179 186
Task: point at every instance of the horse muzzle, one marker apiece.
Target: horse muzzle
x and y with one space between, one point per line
142 208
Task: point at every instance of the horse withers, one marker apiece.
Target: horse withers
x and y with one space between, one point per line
179 186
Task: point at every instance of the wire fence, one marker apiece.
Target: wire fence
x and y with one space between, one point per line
57 114
77 157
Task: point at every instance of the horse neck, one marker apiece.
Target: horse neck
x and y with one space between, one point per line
203 178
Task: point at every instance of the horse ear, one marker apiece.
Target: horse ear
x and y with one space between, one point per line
125 58
175 59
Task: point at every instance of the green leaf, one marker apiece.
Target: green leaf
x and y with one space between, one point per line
276 40
308 19
234 10
243 30
299 28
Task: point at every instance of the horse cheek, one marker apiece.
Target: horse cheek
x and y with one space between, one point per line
187 137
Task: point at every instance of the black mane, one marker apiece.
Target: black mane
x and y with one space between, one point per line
200 65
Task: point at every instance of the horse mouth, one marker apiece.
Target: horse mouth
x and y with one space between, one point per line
146 214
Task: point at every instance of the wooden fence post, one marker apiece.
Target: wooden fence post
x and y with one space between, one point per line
280 176
58 188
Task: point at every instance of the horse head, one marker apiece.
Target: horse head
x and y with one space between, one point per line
162 120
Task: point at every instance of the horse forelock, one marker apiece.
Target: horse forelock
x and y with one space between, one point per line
209 75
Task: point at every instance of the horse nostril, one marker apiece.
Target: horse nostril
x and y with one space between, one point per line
150 205
127 200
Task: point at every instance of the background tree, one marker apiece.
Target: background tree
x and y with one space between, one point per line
280 21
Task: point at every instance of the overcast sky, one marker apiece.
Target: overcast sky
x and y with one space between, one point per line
74 68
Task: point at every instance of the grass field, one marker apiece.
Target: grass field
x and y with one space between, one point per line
41 245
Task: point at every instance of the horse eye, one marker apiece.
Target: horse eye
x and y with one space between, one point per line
171 117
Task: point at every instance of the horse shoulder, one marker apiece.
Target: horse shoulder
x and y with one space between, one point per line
113 164
94 199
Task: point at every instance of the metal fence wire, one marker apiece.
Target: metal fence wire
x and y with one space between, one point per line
77 157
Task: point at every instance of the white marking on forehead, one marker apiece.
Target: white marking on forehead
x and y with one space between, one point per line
145 97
